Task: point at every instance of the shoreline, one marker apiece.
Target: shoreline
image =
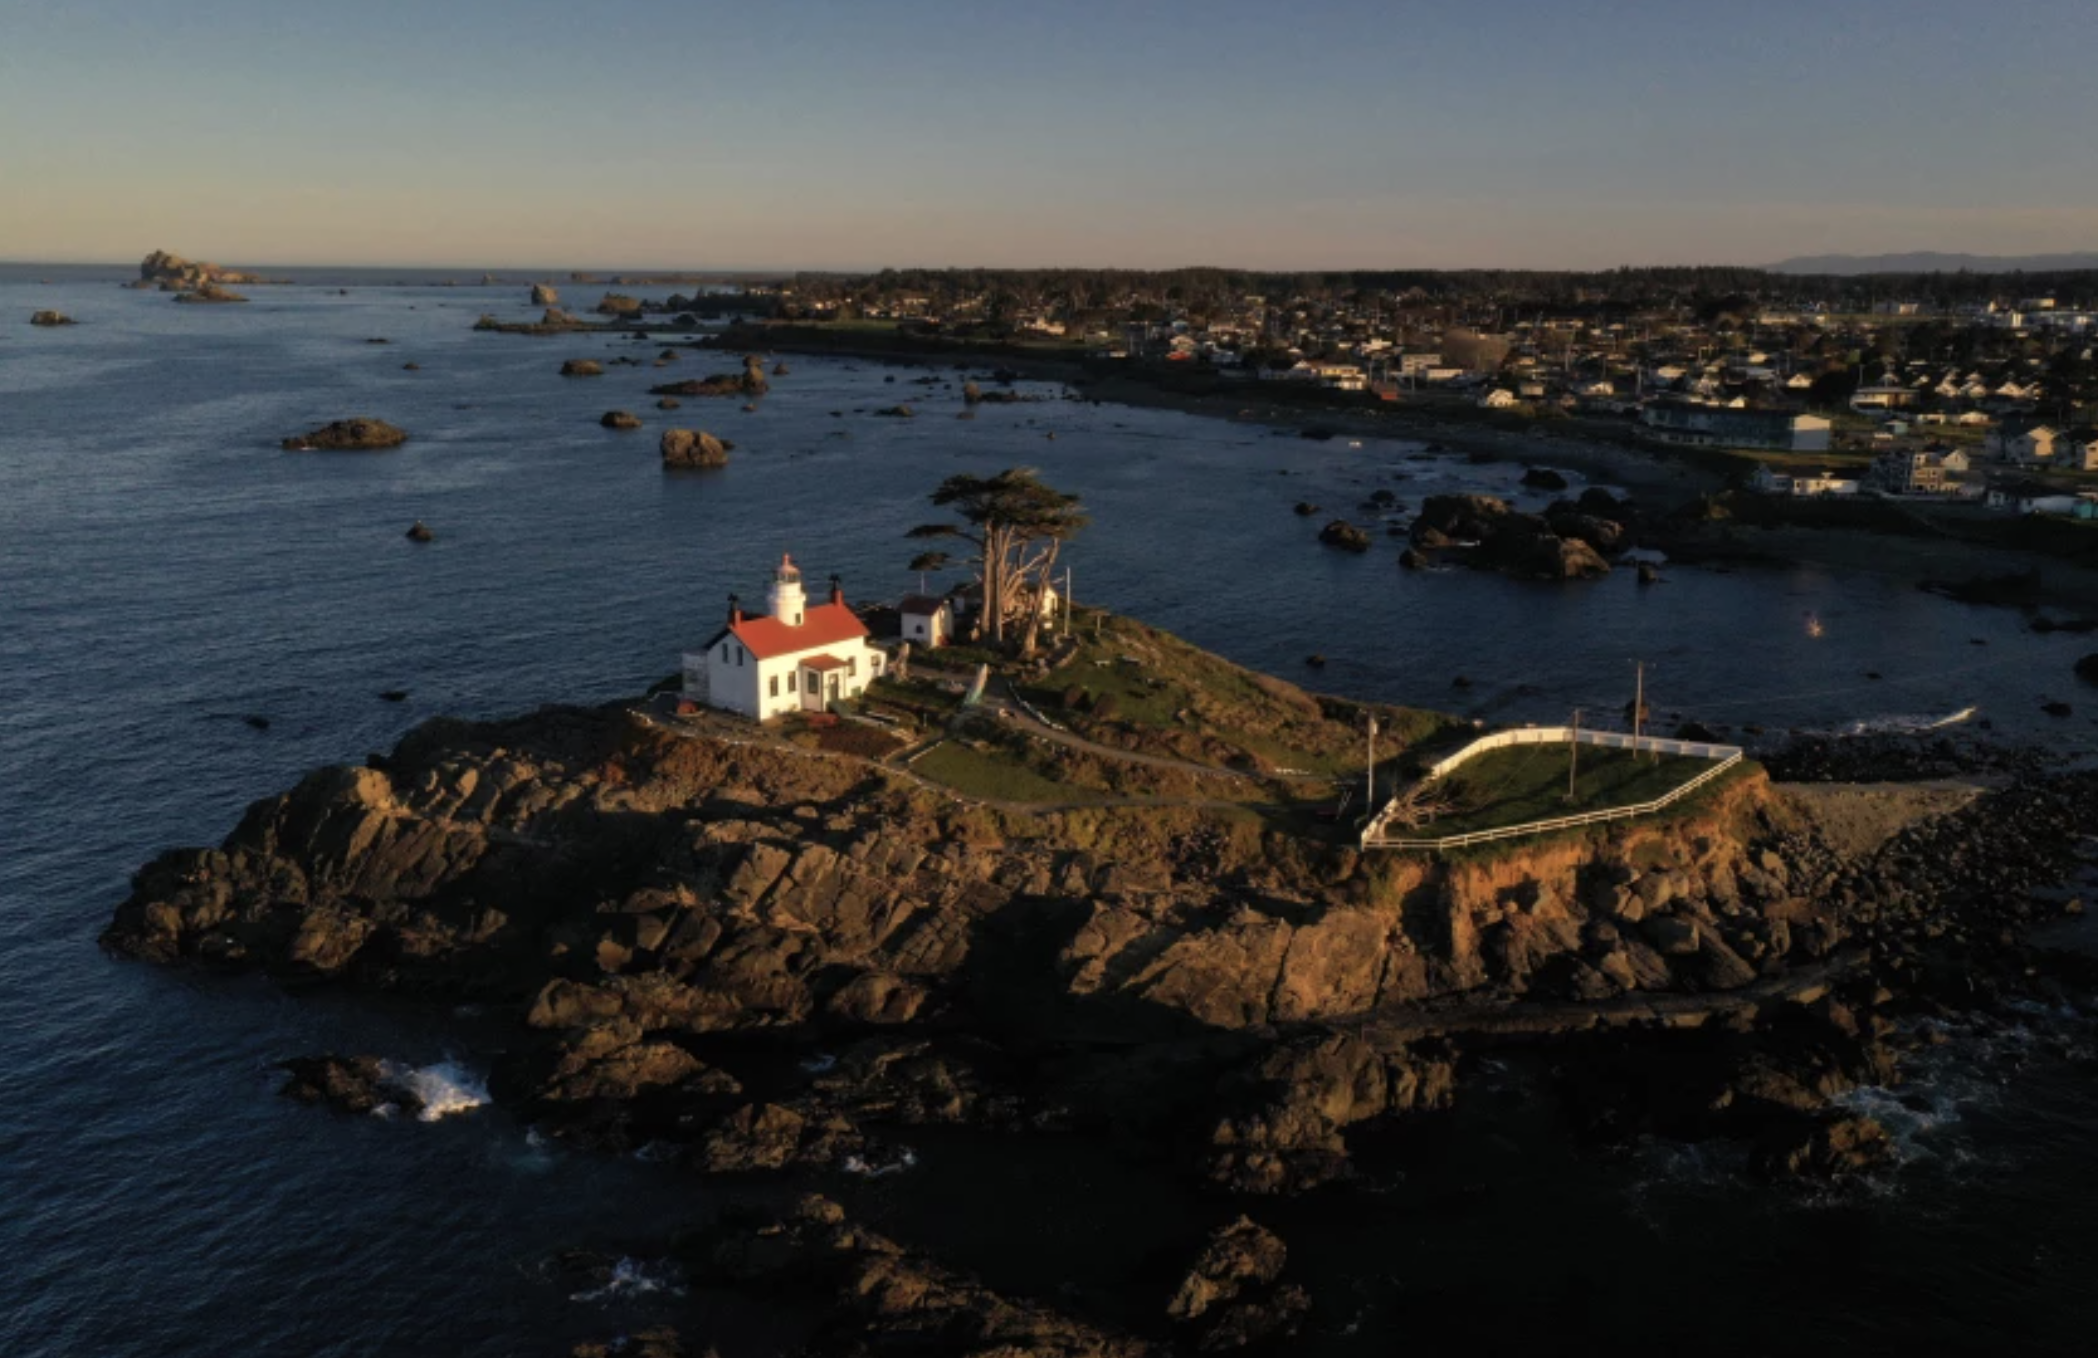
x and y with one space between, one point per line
1644 474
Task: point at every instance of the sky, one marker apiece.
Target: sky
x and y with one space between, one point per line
803 134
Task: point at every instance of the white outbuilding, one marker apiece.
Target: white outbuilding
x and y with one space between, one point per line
799 657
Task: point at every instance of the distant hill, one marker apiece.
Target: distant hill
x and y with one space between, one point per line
1931 261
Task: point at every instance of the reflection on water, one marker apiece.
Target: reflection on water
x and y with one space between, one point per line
166 571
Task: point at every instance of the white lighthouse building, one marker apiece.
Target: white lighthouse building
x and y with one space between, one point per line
798 657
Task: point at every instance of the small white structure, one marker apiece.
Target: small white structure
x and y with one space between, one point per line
927 620
800 657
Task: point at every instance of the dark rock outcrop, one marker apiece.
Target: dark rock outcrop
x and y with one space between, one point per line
620 419
173 273
209 292
749 382
51 318
358 434
1344 535
1543 478
582 367
420 532
1565 545
349 1084
693 448
545 295
867 1294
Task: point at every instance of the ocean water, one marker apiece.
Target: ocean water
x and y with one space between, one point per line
166 572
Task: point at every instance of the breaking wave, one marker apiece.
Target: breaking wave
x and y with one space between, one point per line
632 1277
442 1087
874 1165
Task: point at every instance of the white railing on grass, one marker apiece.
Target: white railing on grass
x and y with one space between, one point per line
1725 757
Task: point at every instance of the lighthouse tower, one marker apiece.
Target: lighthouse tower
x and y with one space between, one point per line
786 599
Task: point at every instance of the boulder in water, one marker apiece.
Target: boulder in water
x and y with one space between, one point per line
351 1084
582 367
693 448
620 419
544 295
51 318
357 434
1543 478
1344 535
419 532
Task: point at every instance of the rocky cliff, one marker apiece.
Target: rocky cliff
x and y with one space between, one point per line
651 899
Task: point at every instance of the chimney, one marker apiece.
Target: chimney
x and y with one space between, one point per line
837 591
735 610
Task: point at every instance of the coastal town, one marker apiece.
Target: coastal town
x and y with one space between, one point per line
1975 391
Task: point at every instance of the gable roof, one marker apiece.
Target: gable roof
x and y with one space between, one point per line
824 624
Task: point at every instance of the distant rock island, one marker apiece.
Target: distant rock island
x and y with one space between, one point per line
52 318
358 434
1933 261
173 273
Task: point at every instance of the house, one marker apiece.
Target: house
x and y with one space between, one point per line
1771 481
2077 450
1881 397
2032 446
927 620
1691 424
1916 471
2031 497
798 657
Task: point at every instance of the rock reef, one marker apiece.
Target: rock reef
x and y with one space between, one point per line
357 434
694 448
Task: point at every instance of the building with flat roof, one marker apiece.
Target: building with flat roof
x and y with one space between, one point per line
1691 424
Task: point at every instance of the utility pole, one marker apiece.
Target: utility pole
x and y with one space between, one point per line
1369 776
1638 703
1573 755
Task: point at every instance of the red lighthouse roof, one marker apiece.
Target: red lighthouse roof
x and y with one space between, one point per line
822 625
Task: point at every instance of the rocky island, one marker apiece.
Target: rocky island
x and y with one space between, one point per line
785 951
51 318
357 434
190 280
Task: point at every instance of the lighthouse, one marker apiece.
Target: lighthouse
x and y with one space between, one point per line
786 600
793 658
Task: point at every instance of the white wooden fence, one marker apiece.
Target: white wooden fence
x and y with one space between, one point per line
1724 757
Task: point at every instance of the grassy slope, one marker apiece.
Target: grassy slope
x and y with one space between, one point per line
1235 718
1528 782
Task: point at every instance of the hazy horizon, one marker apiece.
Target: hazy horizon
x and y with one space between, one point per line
648 135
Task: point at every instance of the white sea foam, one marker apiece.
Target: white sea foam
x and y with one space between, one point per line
633 1278
442 1087
878 1166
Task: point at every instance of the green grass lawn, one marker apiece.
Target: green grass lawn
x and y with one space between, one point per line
1528 782
994 776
